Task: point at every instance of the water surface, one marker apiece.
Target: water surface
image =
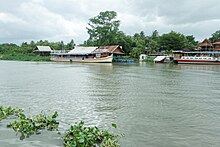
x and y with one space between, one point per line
153 104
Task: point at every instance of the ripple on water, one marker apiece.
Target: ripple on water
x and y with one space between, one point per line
153 104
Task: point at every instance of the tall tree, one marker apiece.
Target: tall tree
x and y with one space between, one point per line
155 35
153 41
103 28
70 45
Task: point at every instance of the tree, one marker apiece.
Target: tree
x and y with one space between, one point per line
135 52
172 41
190 42
215 36
103 28
153 45
155 35
153 41
70 45
125 41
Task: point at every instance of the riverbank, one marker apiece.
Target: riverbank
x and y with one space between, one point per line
23 57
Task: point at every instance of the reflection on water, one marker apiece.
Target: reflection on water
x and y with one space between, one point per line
153 104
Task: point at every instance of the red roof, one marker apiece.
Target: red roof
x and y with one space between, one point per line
116 49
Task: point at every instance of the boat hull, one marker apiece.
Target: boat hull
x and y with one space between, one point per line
204 62
107 59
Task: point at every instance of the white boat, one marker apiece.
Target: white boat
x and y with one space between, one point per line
198 60
197 57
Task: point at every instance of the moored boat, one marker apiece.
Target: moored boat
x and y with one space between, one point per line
198 60
85 59
101 54
210 57
83 54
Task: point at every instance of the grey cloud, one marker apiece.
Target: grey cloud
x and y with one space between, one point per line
63 20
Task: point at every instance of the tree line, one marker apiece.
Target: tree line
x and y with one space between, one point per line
28 48
103 30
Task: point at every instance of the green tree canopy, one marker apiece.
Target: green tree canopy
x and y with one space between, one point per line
215 36
103 29
191 43
172 41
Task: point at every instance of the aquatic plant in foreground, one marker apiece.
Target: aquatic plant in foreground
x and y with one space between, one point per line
77 136
29 126
5 112
81 136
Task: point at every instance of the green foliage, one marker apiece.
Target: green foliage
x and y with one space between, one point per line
135 52
139 40
153 45
172 41
28 126
24 52
5 112
103 29
24 57
155 35
80 136
125 41
215 36
149 59
77 136
190 42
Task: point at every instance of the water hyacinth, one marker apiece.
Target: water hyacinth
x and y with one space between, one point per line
81 136
6 112
77 136
28 126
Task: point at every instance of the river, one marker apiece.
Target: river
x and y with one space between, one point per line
154 105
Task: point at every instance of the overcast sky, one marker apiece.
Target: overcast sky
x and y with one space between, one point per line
56 20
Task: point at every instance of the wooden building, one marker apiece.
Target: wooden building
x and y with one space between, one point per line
205 45
42 50
216 45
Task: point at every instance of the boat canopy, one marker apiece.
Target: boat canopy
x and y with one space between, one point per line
159 58
81 50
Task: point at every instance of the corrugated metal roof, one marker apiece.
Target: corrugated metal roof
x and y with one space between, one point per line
44 48
81 50
159 58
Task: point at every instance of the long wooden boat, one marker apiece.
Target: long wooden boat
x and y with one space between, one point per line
85 59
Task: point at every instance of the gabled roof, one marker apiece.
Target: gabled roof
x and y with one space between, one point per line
43 48
205 43
81 50
109 49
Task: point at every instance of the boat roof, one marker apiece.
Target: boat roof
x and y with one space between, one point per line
82 50
198 52
43 48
